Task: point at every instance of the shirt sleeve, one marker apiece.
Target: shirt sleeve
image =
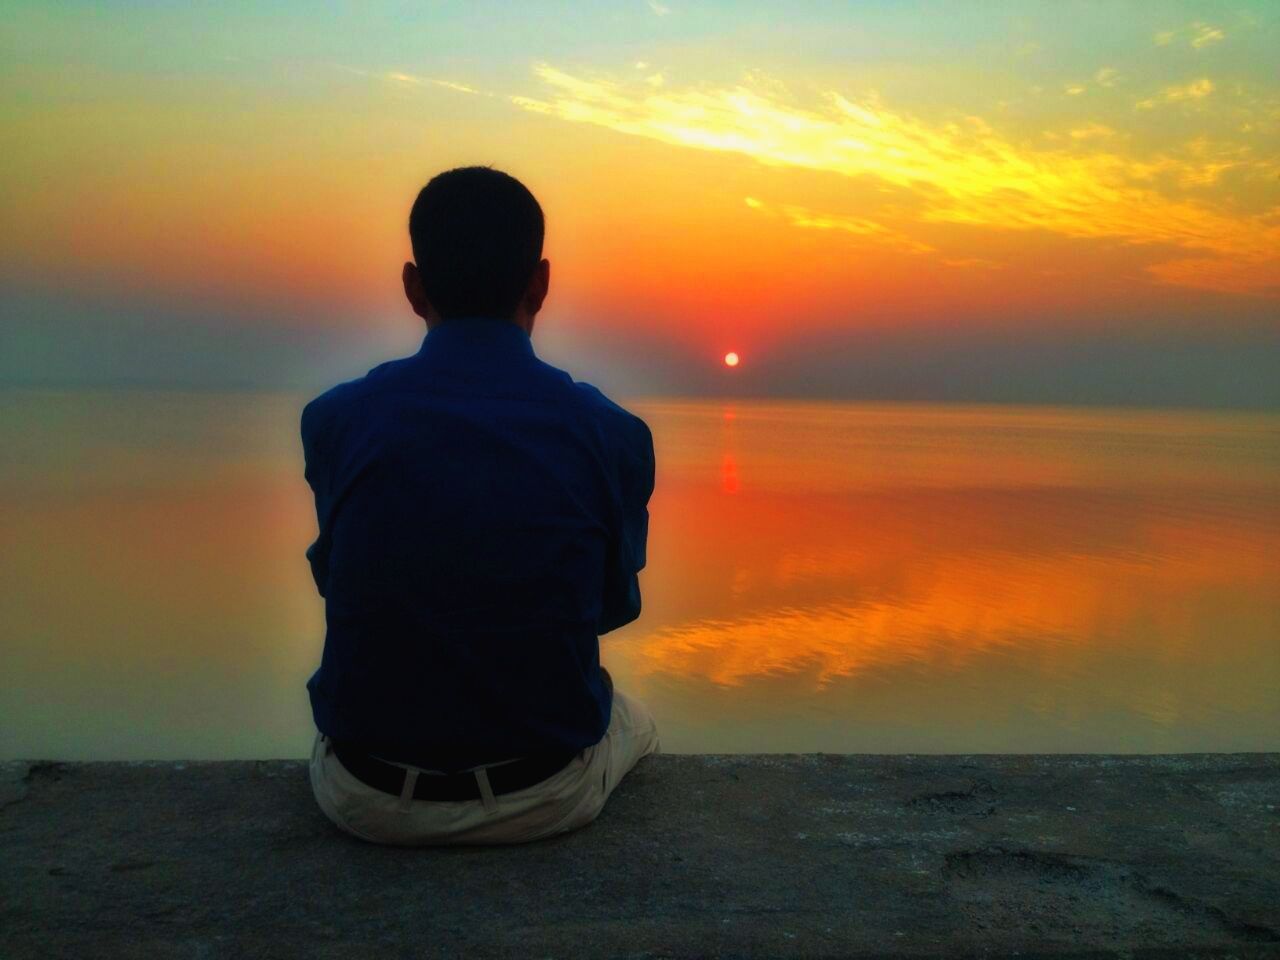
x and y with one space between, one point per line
621 602
316 473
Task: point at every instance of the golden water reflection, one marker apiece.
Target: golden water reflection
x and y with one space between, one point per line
820 578
1059 580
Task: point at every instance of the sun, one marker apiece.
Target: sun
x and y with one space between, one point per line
730 359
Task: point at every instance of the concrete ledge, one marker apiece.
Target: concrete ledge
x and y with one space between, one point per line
743 856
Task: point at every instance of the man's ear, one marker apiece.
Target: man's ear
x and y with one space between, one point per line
415 293
539 283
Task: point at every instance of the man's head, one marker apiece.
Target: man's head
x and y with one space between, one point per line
477 239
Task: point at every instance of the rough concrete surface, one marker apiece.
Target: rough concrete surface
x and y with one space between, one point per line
695 856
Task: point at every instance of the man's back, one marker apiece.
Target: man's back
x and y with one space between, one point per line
482 519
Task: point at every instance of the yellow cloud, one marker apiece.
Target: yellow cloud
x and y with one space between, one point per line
1199 35
979 262
798 216
1222 275
1204 35
1091 131
1195 90
961 172
401 79
451 85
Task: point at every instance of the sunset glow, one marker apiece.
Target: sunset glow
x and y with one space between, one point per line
954 326
873 187
819 576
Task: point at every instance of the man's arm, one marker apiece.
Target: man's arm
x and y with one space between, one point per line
621 601
316 473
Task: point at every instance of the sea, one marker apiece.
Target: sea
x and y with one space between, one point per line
865 578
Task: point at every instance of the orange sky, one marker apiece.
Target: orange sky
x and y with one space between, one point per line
714 178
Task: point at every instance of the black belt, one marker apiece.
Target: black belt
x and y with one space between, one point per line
504 778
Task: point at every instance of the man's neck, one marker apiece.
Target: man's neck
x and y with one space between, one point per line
522 320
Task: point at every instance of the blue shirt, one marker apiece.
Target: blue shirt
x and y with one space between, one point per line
482 520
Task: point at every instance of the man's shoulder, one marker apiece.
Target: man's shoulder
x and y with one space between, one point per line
617 420
339 399
322 409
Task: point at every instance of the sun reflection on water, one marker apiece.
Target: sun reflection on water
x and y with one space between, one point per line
851 578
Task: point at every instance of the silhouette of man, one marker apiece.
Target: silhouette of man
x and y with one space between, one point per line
482 520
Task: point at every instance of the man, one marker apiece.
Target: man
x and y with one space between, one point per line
482 520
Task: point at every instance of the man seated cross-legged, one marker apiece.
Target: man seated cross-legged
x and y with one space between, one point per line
482 519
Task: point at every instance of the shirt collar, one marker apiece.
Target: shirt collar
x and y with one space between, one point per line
476 337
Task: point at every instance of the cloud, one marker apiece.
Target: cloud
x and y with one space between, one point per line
980 262
451 85
1195 90
961 172
1204 35
1199 35
1091 131
1104 77
661 9
402 79
804 217
1221 275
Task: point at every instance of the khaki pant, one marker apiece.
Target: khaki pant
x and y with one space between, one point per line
569 799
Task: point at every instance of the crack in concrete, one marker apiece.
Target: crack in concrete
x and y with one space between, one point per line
14 776
1257 933
45 769
975 801
1042 873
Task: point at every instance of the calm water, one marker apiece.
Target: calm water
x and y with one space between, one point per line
821 577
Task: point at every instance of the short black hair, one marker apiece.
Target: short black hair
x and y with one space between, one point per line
477 237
